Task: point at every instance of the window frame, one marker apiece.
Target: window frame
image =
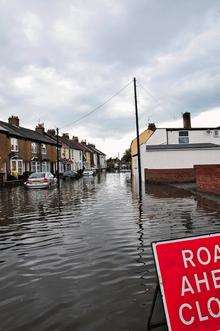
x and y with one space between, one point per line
183 137
14 144
43 149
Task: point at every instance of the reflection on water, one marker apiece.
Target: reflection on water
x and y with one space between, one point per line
80 258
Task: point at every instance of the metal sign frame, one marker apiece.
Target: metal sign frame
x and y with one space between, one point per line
159 276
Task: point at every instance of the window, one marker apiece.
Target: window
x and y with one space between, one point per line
16 167
43 149
216 134
14 145
34 148
183 137
35 166
45 166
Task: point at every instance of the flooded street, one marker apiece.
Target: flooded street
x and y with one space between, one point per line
81 259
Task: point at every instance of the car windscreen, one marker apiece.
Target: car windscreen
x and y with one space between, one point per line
37 175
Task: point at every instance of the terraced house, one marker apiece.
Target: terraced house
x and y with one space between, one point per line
24 150
71 152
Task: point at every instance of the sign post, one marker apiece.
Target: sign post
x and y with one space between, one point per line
189 277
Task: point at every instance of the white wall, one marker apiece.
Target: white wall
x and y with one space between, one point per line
77 158
102 161
95 158
195 136
158 137
175 159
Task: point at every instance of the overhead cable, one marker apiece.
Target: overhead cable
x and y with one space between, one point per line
98 107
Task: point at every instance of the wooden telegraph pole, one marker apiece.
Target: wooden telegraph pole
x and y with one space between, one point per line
138 140
58 158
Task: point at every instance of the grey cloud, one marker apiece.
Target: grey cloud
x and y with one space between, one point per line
60 59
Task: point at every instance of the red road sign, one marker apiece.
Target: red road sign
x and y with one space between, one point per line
189 276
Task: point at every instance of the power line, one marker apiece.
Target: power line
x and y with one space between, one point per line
150 94
158 100
98 107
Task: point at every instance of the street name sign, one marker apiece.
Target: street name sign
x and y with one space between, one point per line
189 276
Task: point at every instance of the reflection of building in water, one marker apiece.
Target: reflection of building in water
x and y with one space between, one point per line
208 204
166 191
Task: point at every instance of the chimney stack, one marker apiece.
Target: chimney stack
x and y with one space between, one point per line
75 139
83 142
40 128
187 120
51 132
66 136
13 120
151 126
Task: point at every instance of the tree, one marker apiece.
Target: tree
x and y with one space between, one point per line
126 158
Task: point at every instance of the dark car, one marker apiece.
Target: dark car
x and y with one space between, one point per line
69 174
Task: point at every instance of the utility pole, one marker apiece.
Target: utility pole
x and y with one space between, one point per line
58 159
138 140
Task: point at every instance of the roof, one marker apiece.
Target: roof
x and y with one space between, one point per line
3 129
181 146
24 133
74 144
143 138
85 148
95 150
191 129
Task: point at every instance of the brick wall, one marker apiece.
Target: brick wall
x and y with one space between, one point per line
4 150
24 149
208 178
170 175
52 153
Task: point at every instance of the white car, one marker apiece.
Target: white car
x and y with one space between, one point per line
41 180
88 173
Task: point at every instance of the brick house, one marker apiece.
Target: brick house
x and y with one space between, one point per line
171 154
70 153
98 157
24 150
88 156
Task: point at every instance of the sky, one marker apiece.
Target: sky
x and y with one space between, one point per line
61 59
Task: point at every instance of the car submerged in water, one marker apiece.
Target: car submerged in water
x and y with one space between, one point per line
69 174
41 180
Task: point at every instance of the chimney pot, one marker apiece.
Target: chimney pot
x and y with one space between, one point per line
51 132
187 120
66 136
40 128
152 126
13 120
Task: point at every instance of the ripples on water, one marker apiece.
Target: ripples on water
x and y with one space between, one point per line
81 259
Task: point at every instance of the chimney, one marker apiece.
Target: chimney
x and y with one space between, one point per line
187 120
40 128
66 136
13 120
51 132
91 145
75 139
151 126
83 142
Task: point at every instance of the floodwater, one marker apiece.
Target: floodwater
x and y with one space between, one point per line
80 259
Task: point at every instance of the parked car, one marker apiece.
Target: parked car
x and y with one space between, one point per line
41 180
69 174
